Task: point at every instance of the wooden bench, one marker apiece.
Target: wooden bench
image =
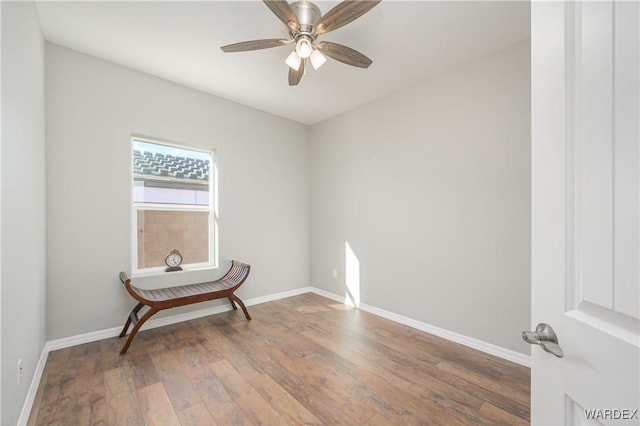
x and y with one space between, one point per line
165 298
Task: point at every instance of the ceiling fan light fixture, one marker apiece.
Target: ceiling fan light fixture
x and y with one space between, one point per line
294 60
317 59
304 46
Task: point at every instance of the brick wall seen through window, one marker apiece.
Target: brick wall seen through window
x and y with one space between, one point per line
173 203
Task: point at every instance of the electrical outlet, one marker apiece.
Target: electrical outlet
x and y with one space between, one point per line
335 273
19 369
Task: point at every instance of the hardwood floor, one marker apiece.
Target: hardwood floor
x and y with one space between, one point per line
304 359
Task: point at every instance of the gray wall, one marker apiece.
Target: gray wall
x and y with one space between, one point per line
23 202
92 108
430 187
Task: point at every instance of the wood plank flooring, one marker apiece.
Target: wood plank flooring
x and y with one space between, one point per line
301 360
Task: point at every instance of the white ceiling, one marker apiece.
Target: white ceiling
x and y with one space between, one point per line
179 41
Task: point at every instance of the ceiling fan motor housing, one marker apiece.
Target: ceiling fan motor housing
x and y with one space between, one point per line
308 14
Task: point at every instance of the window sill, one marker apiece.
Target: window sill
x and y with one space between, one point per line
160 272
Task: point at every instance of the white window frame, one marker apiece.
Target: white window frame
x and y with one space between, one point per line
212 208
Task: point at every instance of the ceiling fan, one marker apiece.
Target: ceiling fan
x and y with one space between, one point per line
305 23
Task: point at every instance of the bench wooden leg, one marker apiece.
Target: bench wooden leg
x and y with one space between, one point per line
233 304
134 313
239 302
136 327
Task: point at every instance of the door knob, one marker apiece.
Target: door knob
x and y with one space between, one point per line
545 337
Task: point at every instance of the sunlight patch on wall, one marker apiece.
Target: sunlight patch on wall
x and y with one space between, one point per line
352 277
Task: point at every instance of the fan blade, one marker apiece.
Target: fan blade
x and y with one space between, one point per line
343 13
296 76
284 12
244 46
344 54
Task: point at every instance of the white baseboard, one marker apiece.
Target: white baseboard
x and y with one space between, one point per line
66 342
33 387
471 342
323 293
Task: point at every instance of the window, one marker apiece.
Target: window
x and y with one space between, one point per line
173 204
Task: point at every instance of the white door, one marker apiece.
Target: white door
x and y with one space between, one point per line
585 210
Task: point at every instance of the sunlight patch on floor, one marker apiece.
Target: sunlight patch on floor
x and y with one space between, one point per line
311 309
341 307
